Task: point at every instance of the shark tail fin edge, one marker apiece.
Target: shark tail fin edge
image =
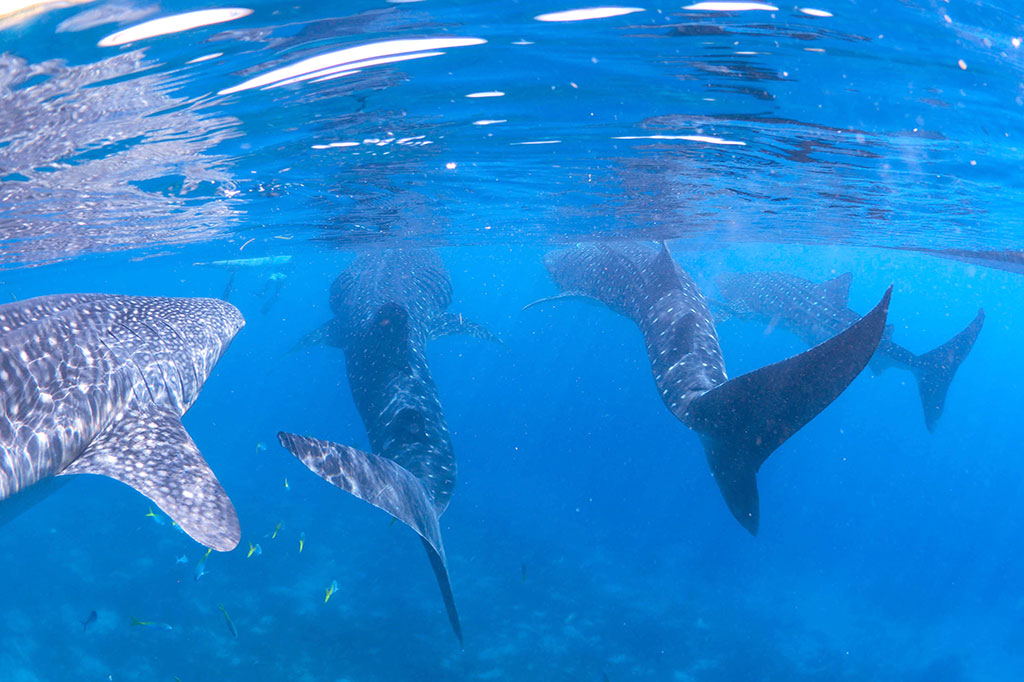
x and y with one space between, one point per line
387 486
742 421
437 562
936 368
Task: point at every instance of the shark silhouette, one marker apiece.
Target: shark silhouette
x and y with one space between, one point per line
386 306
97 384
740 421
814 311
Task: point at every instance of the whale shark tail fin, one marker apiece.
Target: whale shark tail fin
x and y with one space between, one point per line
385 485
935 369
742 421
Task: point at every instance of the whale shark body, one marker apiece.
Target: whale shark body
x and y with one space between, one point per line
97 384
386 306
813 311
740 421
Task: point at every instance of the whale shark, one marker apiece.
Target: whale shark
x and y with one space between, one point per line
387 305
740 421
97 384
813 311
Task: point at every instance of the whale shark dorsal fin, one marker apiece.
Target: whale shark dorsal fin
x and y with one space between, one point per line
386 485
683 332
151 451
449 324
666 264
565 296
837 289
389 330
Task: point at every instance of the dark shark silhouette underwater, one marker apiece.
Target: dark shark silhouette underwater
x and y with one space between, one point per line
813 311
97 384
740 421
387 305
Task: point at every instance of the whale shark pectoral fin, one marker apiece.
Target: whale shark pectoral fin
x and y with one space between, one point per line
564 296
385 485
151 452
742 421
449 324
935 369
327 334
837 289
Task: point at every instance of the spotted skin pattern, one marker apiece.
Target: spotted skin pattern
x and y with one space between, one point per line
96 383
643 283
387 305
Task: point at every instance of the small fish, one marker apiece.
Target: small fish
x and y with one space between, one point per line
181 560
159 520
231 625
393 519
524 573
254 549
201 565
273 536
261 447
151 623
286 486
330 591
302 541
89 621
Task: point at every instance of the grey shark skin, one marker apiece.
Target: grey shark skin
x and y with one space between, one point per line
97 384
740 421
387 305
813 311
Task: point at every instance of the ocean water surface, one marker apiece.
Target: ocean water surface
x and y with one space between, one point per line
586 539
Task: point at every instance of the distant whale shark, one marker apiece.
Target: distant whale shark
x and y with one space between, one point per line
814 311
97 384
740 421
387 305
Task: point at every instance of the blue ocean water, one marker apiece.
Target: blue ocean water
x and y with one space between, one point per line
586 538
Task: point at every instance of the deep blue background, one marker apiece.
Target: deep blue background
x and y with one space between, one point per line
884 552
586 537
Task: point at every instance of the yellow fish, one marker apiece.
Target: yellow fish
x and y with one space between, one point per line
276 528
254 549
286 486
302 541
330 591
